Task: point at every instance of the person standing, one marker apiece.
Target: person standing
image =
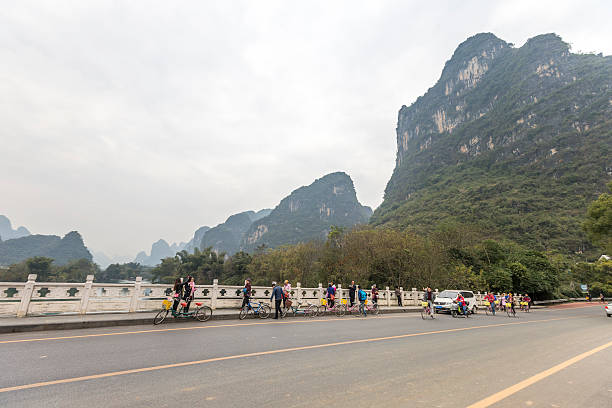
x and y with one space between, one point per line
286 293
362 299
277 295
374 294
601 297
398 295
331 295
246 293
352 292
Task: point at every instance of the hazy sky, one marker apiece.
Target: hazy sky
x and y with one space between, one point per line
134 121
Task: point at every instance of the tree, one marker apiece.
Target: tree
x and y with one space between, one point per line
598 223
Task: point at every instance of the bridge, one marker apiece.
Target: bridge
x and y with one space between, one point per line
33 298
551 357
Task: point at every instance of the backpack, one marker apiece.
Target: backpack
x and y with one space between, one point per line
362 295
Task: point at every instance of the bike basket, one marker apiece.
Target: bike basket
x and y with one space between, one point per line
343 301
424 304
366 301
323 302
524 303
497 302
166 303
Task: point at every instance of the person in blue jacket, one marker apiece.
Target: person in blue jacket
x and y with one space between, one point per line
277 295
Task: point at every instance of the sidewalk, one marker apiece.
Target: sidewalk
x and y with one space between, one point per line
70 322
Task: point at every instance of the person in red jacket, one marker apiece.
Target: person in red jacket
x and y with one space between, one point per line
491 299
461 304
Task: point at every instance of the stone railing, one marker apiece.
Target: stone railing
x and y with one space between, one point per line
45 298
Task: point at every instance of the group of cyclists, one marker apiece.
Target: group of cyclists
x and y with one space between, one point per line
184 290
507 301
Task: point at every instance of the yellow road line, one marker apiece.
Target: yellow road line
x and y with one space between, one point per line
82 336
259 353
487 402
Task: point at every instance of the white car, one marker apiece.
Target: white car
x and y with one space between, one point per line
442 302
608 309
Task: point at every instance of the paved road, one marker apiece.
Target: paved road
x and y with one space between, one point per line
392 360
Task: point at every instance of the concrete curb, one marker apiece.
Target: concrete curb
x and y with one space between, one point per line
91 324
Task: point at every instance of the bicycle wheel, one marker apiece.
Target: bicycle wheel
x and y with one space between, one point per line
243 313
264 312
203 313
310 311
527 308
375 308
340 310
159 317
488 310
454 313
423 313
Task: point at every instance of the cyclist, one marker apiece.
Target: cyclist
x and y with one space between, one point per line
511 302
362 296
461 304
178 293
503 301
429 297
527 300
490 297
188 292
246 293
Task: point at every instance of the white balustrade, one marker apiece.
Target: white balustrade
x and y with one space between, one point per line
42 298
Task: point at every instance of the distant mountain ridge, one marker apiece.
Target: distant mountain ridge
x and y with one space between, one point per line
515 140
62 250
308 213
7 232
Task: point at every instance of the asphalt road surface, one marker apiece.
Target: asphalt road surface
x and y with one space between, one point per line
547 358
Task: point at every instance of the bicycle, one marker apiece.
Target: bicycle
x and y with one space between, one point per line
510 310
525 307
201 313
426 311
370 307
256 309
338 308
309 311
489 308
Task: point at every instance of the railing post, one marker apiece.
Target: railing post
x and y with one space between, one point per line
415 297
320 292
86 293
214 294
339 293
26 296
388 294
135 294
401 296
298 291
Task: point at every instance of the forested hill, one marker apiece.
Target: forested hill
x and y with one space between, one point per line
516 140
62 250
308 213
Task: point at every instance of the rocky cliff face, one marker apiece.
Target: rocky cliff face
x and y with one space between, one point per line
308 213
516 140
62 250
7 231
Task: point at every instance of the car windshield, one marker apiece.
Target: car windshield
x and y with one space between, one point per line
448 294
